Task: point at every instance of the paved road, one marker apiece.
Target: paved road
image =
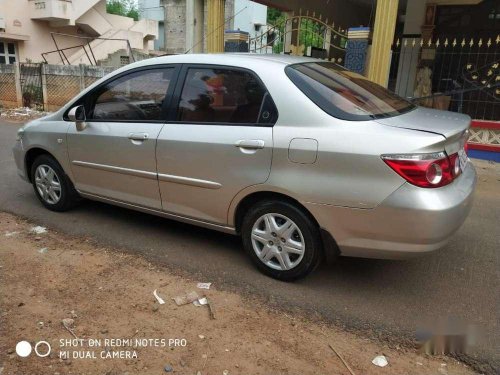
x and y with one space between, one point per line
381 298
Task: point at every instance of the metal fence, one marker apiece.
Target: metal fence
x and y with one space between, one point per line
31 85
450 72
8 97
302 34
43 86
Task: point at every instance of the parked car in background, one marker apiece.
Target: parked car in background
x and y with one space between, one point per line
302 158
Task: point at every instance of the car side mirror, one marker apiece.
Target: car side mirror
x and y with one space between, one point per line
77 115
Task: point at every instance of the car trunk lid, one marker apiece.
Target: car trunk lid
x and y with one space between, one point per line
445 123
452 126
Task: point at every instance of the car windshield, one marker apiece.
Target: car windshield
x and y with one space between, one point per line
345 94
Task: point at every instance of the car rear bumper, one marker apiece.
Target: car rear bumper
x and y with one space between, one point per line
410 221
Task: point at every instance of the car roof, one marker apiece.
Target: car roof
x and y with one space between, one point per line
235 59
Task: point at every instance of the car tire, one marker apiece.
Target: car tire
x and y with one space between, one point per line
52 186
286 228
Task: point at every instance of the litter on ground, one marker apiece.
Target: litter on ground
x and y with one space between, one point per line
341 359
10 234
69 324
380 361
38 230
168 368
158 298
187 298
22 113
203 285
211 309
201 301
43 250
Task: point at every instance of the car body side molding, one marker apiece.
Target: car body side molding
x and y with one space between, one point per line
111 168
189 181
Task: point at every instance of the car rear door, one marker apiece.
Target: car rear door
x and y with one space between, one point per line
218 142
114 156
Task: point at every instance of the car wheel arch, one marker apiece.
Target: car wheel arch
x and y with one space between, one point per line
31 155
263 195
239 207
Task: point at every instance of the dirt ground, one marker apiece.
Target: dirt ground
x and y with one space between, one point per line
48 277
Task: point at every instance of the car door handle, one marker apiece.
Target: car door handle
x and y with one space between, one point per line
252 144
138 136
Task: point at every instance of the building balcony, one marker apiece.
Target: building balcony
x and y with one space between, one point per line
51 10
148 28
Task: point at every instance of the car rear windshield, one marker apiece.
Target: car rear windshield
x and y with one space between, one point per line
344 94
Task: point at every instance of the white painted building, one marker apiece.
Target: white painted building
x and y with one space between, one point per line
250 17
26 27
154 10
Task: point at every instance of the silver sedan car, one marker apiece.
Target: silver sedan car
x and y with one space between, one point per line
302 158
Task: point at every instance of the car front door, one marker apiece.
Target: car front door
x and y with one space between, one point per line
114 156
219 142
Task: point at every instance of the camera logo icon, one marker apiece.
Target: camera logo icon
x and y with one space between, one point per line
24 349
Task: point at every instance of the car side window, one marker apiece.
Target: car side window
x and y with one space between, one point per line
224 95
135 96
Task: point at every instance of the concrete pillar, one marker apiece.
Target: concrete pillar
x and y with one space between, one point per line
194 26
190 22
175 25
19 90
45 92
383 35
199 22
82 77
215 26
163 3
410 48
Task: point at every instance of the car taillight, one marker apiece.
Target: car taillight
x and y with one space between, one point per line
425 170
466 141
455 165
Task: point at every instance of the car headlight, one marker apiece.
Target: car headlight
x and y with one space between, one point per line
20 134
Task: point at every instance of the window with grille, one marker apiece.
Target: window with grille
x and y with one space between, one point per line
7 53
124 60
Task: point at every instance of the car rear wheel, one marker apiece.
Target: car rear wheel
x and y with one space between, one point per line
281 239
52 187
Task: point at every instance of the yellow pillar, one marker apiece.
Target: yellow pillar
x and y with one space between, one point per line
383 35
215 26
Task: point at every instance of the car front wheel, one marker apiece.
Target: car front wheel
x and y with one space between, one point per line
281 239
52 187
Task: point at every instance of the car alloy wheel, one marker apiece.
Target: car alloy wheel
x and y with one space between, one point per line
48 184
278 242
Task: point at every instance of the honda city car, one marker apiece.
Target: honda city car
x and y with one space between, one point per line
303 159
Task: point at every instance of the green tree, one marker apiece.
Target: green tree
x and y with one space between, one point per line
276 18
133 13
273 15
127 8
310 32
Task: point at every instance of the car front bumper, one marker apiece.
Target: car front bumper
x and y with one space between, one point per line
19 152
410 221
